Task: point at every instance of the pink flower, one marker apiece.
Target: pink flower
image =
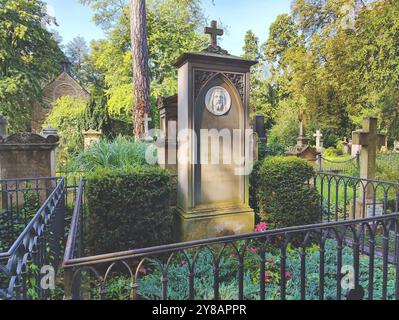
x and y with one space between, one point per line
261 227
183 262
267 278
288 275
253 250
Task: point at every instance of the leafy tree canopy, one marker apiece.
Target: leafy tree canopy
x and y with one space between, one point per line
29 58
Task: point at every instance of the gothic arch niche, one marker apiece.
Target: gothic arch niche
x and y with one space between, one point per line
64 89
218 183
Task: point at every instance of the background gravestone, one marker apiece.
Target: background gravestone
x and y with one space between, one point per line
28 155
213 93
91 137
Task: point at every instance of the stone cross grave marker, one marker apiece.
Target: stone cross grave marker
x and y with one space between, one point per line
214 32
369 139
319 140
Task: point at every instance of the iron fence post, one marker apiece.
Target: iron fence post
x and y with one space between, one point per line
68 283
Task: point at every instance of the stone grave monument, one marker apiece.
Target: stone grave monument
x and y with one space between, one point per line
303 149
369 139
213 100
91 137
28 155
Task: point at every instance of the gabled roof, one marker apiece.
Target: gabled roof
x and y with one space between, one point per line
69 76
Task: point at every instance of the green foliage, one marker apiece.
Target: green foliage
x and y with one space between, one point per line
14 220
332 152
128 209
285 131
149 286
261 103
67 117
172 29
337 60
271 149
388 168
283 194
29 57
120 154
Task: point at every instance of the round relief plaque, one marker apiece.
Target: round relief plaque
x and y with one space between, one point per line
218 101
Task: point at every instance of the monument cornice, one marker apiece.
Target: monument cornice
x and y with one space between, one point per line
28 138
9 147
213 57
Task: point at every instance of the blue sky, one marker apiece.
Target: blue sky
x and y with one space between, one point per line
237 15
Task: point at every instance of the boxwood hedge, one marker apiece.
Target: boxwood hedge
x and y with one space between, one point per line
282 195
128 209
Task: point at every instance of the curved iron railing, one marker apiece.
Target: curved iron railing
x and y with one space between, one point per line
38 245
305 262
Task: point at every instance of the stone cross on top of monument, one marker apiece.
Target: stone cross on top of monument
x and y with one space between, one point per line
214 32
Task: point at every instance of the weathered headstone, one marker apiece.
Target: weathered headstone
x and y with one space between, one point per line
28 155
384 148
345 146
396 146
319 141
91 137
370 140
213 98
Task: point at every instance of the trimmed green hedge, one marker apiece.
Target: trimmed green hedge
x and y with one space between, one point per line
128 209
282 196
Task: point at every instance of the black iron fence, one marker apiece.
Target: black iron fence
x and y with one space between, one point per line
337 259
20 200
343 197
72 180
37 221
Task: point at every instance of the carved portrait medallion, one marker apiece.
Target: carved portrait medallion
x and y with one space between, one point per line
218 101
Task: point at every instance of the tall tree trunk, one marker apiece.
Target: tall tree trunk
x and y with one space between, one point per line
141 80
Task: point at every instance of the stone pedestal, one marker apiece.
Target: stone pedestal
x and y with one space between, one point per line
28 155
91 137
213 96
205 223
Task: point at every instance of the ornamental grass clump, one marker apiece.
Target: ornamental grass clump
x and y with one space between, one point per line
120 154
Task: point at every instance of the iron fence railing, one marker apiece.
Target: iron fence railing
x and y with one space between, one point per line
72 180
38 244
20 200
346 258
344 197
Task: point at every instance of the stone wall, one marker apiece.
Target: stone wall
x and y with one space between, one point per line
63 85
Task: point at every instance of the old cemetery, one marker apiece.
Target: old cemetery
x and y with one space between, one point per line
212 201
